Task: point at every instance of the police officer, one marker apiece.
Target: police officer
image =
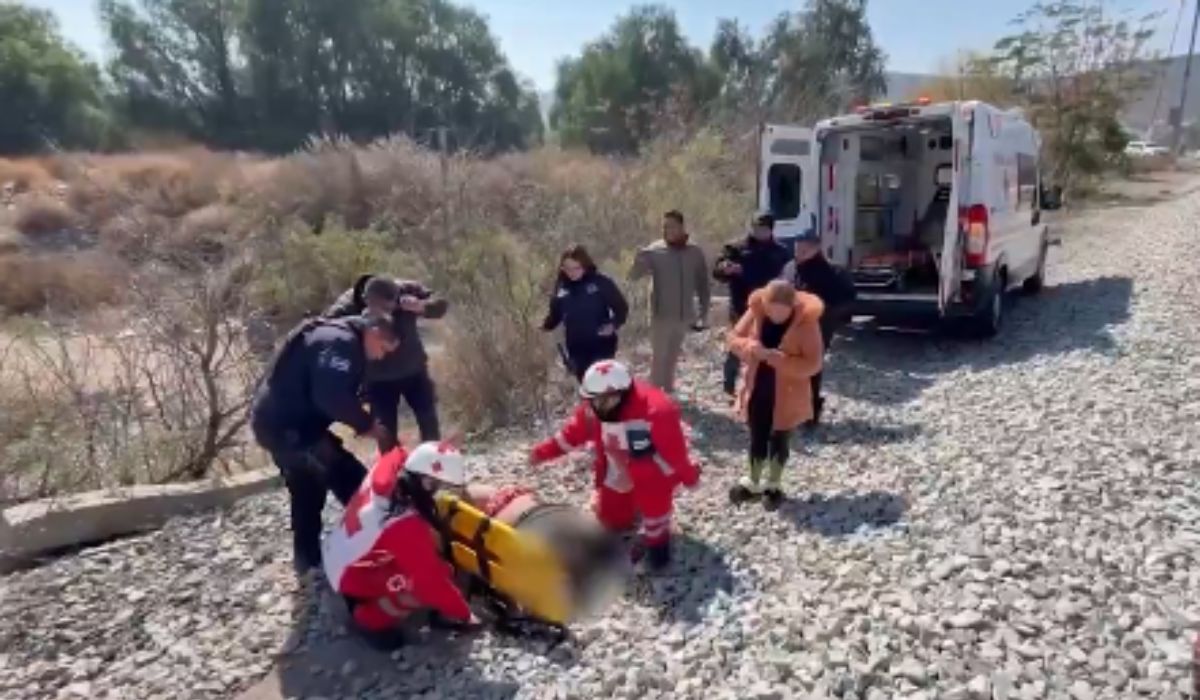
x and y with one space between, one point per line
314 381
746 265
404 373
812 272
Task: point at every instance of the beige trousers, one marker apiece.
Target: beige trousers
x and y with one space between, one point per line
666 341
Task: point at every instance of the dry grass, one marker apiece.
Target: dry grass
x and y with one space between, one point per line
70 282
41 215
26 175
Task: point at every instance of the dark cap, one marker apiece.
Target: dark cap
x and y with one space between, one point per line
381 288
764 218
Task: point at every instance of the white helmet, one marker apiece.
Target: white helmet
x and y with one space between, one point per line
605 377
438 460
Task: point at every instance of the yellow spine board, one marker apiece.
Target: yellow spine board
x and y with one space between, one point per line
518 565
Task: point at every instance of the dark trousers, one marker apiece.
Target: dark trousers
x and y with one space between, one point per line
731 370
583 355
766 444
310 473
830 323
418 392
733 366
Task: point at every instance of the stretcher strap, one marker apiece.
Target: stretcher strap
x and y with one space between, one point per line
481 552
448 531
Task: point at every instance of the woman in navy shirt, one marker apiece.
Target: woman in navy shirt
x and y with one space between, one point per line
590 308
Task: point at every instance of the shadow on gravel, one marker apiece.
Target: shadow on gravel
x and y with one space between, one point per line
714 430
844 514
855 431
318 660
894 365
682 592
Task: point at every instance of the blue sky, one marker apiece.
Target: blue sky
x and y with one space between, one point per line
535 34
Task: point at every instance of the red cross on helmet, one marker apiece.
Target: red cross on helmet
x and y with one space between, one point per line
605 377
440 461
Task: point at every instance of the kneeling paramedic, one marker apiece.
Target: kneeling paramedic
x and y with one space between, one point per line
384 557
312 382
641 454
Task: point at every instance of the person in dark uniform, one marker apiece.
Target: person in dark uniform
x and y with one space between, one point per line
312 382
590 308
405 372
812 272
747 265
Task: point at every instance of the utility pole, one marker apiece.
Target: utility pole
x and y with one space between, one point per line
1187 77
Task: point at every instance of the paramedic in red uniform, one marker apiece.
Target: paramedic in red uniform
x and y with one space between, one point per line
384 558
641 453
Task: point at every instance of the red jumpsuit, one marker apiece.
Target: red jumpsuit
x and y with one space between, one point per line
389 564
640 459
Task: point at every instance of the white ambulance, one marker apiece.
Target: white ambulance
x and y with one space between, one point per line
931 207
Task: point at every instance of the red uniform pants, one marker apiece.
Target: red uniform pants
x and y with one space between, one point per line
381 614
619 511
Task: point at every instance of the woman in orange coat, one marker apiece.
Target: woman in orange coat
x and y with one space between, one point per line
778 340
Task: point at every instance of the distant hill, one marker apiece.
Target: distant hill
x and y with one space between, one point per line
1139 117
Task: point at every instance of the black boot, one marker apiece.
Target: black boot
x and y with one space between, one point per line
383 640
772 499
658 557
741 493
305 562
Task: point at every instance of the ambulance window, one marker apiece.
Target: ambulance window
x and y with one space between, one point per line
783 186
1026 180
790 147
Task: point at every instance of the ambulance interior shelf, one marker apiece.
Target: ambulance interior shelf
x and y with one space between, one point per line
888 194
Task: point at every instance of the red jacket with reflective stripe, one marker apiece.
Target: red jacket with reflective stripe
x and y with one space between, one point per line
375 554
647 439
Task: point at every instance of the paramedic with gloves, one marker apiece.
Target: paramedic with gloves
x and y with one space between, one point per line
384 558
637 435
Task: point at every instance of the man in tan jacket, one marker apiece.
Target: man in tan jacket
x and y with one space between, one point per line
679 279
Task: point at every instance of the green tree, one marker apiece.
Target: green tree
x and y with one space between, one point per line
822 60
1075 66
611 97
51 96
270 73
742 70
177 66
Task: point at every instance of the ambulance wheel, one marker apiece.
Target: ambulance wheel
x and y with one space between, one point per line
1034 284
990 318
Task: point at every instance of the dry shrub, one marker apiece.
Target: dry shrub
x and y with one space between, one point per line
70 282
202 237
25 175
302 273
161 397
41 215
131 233
498 367
167 184
11 242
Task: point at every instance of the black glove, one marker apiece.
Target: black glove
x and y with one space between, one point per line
441 622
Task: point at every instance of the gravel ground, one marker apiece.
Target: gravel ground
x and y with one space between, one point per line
1012 519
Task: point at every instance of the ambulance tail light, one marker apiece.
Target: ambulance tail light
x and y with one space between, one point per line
973 221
